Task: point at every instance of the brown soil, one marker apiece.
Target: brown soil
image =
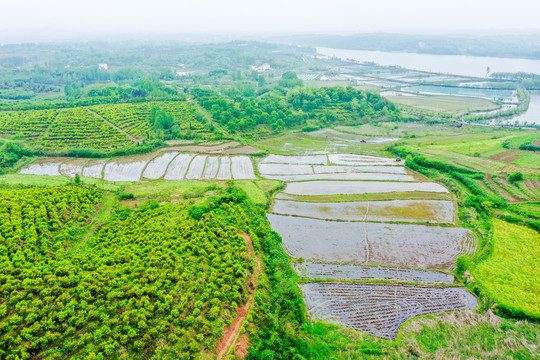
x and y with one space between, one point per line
242 150
500 156
228 148
500 188
511 158
231 334
242 347
537 143
218 148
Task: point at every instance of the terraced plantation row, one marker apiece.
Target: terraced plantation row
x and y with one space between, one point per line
104 128
164 165
136 119
351 222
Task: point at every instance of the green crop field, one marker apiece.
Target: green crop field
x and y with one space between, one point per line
510 274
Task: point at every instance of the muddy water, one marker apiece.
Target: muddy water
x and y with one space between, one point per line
348 271
430 247
434 211
380 309
349 248
358 187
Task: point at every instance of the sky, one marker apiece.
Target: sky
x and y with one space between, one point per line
97 17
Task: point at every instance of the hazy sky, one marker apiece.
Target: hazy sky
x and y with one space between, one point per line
272 16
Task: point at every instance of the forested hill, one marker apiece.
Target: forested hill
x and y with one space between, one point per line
300 107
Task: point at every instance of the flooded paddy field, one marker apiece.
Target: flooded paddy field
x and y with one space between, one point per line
165 165
178 167
211 168
49 167
350 159
157 167
430 247
434 211
72 167
284 169
358 187
405 195
224 172
349 271
352 138
242 168
346 176
94 168
305 160
380 309
196 167
333 169
126 169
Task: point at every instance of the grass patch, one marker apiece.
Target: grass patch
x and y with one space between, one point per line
268 186
510 273
11 180
254 192
168 188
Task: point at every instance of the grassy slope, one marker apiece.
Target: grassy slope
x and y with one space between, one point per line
510 273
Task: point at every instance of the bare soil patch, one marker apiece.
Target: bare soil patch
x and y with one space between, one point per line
506 156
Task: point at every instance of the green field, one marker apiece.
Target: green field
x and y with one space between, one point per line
510 274
452 105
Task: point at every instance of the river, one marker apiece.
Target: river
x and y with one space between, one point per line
532 115
475 66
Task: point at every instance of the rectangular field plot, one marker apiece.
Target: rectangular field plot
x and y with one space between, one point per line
196 167
305 160
72 167
344 176
333 169
49 167
380 309
211 168
284 169
348 159
126 169
358 187
178 167
224 172
431 247
434 211
157 167
94 168
343 271
242 168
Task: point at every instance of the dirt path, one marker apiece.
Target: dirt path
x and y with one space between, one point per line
230 337
100 218
50 125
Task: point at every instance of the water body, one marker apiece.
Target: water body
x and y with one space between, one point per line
490 94
532 115
447 64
